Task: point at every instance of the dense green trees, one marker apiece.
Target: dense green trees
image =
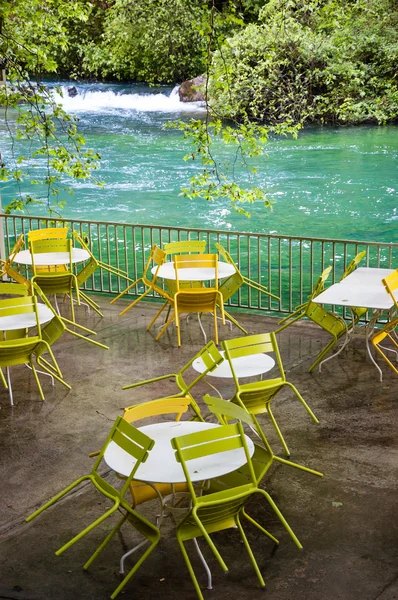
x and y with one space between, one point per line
317 60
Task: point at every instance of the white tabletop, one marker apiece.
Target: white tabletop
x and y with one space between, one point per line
26 320
363 288
167 271
367 276
162 466
52 258
245 366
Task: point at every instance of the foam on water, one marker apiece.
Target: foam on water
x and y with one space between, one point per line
108 101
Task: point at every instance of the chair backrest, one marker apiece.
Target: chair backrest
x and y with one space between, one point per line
185 247
210 356
19 244
18 306
228 411
261 343
48 246
14 289
353 264
195 261
320 284
154 408
48 233
157 257
212 442
226 256
130 440
391 284
231 285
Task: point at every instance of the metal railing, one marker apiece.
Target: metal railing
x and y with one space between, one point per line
287 265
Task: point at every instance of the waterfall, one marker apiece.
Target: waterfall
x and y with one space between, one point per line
110 101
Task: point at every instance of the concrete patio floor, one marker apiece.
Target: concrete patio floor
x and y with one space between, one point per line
347 520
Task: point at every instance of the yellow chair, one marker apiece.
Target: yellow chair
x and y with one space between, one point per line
195 300
245 280
144 492
209 355
185 247
90 268
7 265
52 281
156 258
387 332
353 264
48 233
256 397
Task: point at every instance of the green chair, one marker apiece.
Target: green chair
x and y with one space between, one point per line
20 350
256 397
263 456
50 333
14 289
357 312
137 445
328 321
210 357
156 258
353 264
300 311
221 510
54 281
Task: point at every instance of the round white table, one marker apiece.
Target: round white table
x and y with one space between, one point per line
245 366
51 258
26 320
162 466
167 271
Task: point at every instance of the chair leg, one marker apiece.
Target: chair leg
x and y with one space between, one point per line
323 353
130 306
57 497
105 542
165 326
286 323
152 534
249 551
235 322
297 466
265 532
281 518
37 379
189 566
3 379
126 290
157 315
303 402
87 530
278 431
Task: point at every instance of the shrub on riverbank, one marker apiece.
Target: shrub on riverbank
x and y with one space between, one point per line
323 61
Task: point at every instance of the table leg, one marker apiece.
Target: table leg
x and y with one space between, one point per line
204 563
368 335
9 386
42 373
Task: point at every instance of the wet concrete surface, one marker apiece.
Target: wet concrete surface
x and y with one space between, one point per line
347 521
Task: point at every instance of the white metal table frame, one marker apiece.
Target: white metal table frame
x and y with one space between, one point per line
25 321
162 466
362 288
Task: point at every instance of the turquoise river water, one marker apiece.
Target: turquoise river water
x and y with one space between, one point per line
333 182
